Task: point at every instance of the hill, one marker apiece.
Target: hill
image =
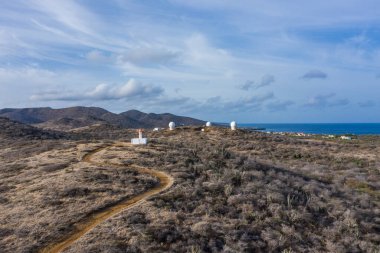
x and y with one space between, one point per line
74 117
15 130
160 120
66 124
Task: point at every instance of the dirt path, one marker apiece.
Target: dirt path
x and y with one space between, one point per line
95 219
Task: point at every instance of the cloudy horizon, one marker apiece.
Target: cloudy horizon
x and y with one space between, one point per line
249 61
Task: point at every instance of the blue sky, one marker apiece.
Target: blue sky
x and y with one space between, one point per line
247 60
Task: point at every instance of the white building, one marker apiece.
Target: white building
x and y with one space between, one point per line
233 125
140 140
171 126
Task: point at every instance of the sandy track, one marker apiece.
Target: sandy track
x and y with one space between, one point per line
98 217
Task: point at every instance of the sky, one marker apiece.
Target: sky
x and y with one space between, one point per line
253 61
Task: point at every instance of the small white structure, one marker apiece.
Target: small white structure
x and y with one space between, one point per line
233 125
208 124
156 129
343 137
171 126
140 140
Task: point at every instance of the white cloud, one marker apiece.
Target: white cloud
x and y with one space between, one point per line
130 90
193 59
199 52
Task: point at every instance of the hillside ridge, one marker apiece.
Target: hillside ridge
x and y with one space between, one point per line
80 116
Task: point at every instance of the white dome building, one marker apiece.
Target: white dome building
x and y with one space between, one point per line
208 124
233 125
171 126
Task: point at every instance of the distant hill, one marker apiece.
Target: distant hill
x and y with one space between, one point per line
65 124
10 129
75 117
160 120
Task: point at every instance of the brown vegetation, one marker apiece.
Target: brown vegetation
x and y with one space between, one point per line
234 192
44 194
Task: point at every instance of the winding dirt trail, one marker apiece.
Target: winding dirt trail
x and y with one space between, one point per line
98 217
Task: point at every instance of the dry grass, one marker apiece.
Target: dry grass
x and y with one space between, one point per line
44 194
233 192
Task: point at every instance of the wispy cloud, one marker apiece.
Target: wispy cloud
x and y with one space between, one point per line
326 100
221 105
266 80
252 102
249 84
69 14
279 105
315 74
98 56
367 103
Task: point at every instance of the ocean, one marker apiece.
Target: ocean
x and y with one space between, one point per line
320 128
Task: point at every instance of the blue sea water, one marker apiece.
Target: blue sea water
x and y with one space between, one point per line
320 128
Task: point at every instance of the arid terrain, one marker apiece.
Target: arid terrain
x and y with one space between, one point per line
233 191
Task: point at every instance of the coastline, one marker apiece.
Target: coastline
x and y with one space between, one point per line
317 128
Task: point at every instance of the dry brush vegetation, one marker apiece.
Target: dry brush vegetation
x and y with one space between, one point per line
234 192
46 189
